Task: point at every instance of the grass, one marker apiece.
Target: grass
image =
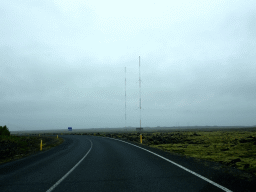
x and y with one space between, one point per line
17 147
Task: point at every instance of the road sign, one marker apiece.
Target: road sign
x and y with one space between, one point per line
70 128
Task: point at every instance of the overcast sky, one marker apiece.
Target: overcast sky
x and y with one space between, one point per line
62 63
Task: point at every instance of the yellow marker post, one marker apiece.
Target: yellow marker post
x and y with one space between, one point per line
140 138
41 145
57 136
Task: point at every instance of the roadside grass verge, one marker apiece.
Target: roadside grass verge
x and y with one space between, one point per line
17 147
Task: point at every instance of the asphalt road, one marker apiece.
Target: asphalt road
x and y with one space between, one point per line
88 163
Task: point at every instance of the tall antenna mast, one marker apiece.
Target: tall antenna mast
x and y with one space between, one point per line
140 91
125 96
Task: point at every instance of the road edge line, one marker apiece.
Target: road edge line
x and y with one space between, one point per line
192 172
61 179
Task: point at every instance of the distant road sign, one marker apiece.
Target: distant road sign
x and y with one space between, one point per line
70 128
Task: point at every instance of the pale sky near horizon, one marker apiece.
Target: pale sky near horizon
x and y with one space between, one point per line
63 63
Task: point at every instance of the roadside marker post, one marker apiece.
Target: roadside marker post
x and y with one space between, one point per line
57 136
140 138
41 145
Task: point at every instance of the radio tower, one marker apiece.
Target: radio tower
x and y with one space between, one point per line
140 91
125 97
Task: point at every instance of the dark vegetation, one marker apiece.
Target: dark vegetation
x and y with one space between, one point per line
4 131
17 147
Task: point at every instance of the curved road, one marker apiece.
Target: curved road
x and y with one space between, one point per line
89 163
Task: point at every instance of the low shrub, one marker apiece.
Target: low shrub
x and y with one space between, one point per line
4 131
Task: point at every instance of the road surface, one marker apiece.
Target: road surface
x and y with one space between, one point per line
90 163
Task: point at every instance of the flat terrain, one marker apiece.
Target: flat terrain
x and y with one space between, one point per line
95 163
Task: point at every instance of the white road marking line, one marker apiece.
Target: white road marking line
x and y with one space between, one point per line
58 182
202 177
